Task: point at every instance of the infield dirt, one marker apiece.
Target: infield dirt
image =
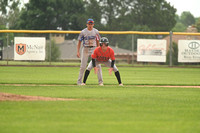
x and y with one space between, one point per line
15 97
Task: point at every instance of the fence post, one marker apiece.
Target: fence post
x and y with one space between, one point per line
50 50
7 48
132 48
170 51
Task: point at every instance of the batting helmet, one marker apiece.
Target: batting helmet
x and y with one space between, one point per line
104 40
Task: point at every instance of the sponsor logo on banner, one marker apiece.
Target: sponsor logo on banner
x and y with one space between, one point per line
193 45
29 48
189 51
20 48
151 50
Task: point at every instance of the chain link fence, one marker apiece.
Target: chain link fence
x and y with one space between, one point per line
132 48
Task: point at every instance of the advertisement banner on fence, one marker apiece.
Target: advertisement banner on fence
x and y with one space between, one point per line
29 48
189 51
151 50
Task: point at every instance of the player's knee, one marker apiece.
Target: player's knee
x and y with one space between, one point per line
89 68
99 66
115 70
82 68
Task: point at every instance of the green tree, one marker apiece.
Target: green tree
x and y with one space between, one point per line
53 52
109 15
179 27
93 10
174 54
6 36
158 15
141 15
187 18
198 25
9 11
3 36
3 6
51 15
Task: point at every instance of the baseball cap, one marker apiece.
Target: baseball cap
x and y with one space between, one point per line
90 21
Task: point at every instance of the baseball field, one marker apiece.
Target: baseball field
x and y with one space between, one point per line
47 99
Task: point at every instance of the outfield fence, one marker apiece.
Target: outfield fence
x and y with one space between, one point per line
55 47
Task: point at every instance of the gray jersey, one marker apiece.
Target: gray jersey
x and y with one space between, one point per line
89 37
89 44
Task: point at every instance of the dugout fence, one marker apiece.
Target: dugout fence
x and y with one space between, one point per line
131 47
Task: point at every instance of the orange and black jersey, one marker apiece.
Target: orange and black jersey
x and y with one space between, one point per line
99 55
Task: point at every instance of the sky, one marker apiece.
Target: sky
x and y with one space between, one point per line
193 6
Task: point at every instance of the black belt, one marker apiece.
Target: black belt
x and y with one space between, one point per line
89 46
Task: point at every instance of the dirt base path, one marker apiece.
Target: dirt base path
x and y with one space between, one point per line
15 97
168 86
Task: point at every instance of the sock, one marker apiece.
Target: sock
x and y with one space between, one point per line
87 72
118 77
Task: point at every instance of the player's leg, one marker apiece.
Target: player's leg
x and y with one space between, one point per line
117 74
84 59
87 72
99 75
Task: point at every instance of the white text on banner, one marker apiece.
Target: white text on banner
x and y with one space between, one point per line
189 51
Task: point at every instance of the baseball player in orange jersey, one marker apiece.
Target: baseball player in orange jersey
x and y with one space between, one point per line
103 55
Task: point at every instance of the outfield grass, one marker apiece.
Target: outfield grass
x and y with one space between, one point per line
129 75
101 109
112 109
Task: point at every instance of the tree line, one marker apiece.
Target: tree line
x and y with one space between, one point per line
109 15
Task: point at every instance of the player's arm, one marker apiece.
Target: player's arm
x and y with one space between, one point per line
112 63
78 49
93 62
97 43
111 67
97 39
112 56
94 56
94 65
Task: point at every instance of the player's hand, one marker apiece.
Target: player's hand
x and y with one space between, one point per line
110 70
78 55
95 70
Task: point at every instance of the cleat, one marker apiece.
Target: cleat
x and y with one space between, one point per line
121 84
78 83
83 84
101 84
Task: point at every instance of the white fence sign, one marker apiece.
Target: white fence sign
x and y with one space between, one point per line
151 50
189 51
29 48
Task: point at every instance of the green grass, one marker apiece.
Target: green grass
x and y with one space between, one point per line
101 109
129 75
110 109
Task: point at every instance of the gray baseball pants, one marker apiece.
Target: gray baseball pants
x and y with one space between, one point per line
106 63
86 52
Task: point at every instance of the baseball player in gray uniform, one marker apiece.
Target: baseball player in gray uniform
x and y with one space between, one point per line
90 38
